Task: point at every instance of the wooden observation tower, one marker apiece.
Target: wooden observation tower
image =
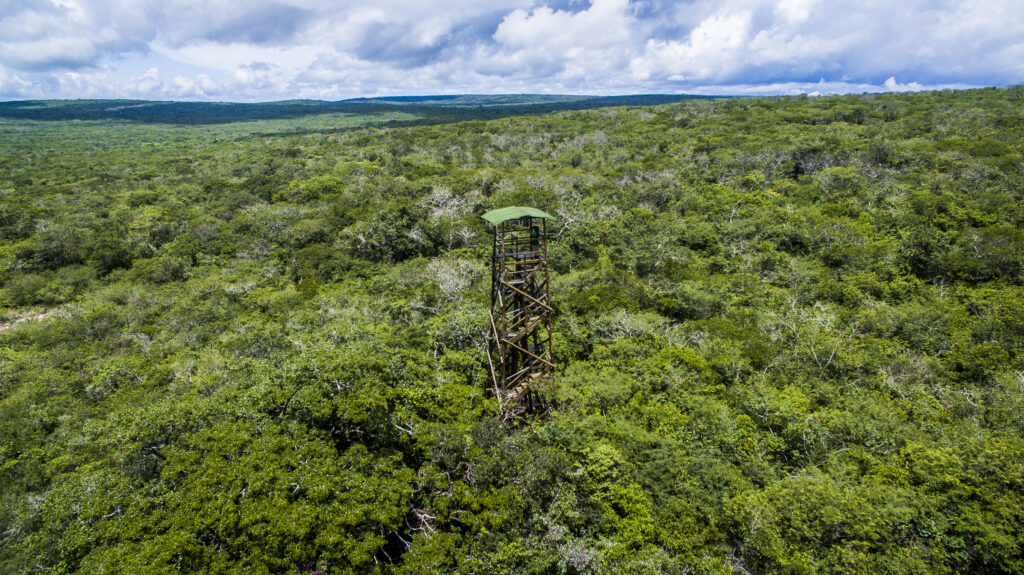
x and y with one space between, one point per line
519 345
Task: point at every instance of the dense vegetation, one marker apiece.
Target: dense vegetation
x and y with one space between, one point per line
789 336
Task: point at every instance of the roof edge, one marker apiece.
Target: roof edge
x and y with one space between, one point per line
500 215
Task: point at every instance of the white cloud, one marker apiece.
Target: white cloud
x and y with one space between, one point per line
150 82
71 34
819 88
590 46
891 85
276 49
606 22
794 11
714 49
228 57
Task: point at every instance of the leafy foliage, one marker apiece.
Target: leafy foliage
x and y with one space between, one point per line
789 338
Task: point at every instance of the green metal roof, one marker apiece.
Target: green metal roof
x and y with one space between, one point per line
514 213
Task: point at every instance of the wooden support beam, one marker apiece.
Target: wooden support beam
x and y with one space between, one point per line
524 294
519 346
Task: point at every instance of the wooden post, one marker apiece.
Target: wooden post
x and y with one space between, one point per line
519 344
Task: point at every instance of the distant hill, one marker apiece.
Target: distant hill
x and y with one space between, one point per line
429 109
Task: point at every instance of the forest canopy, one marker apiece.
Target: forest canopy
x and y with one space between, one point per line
788 332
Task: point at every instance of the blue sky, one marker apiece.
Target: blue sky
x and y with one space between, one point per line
261 50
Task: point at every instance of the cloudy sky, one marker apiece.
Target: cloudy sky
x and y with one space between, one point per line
259 50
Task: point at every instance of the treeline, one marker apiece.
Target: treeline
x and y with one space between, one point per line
788 331
428 109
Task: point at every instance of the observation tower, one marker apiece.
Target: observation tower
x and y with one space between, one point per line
519 344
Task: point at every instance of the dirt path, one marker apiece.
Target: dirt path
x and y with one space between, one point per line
27 315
